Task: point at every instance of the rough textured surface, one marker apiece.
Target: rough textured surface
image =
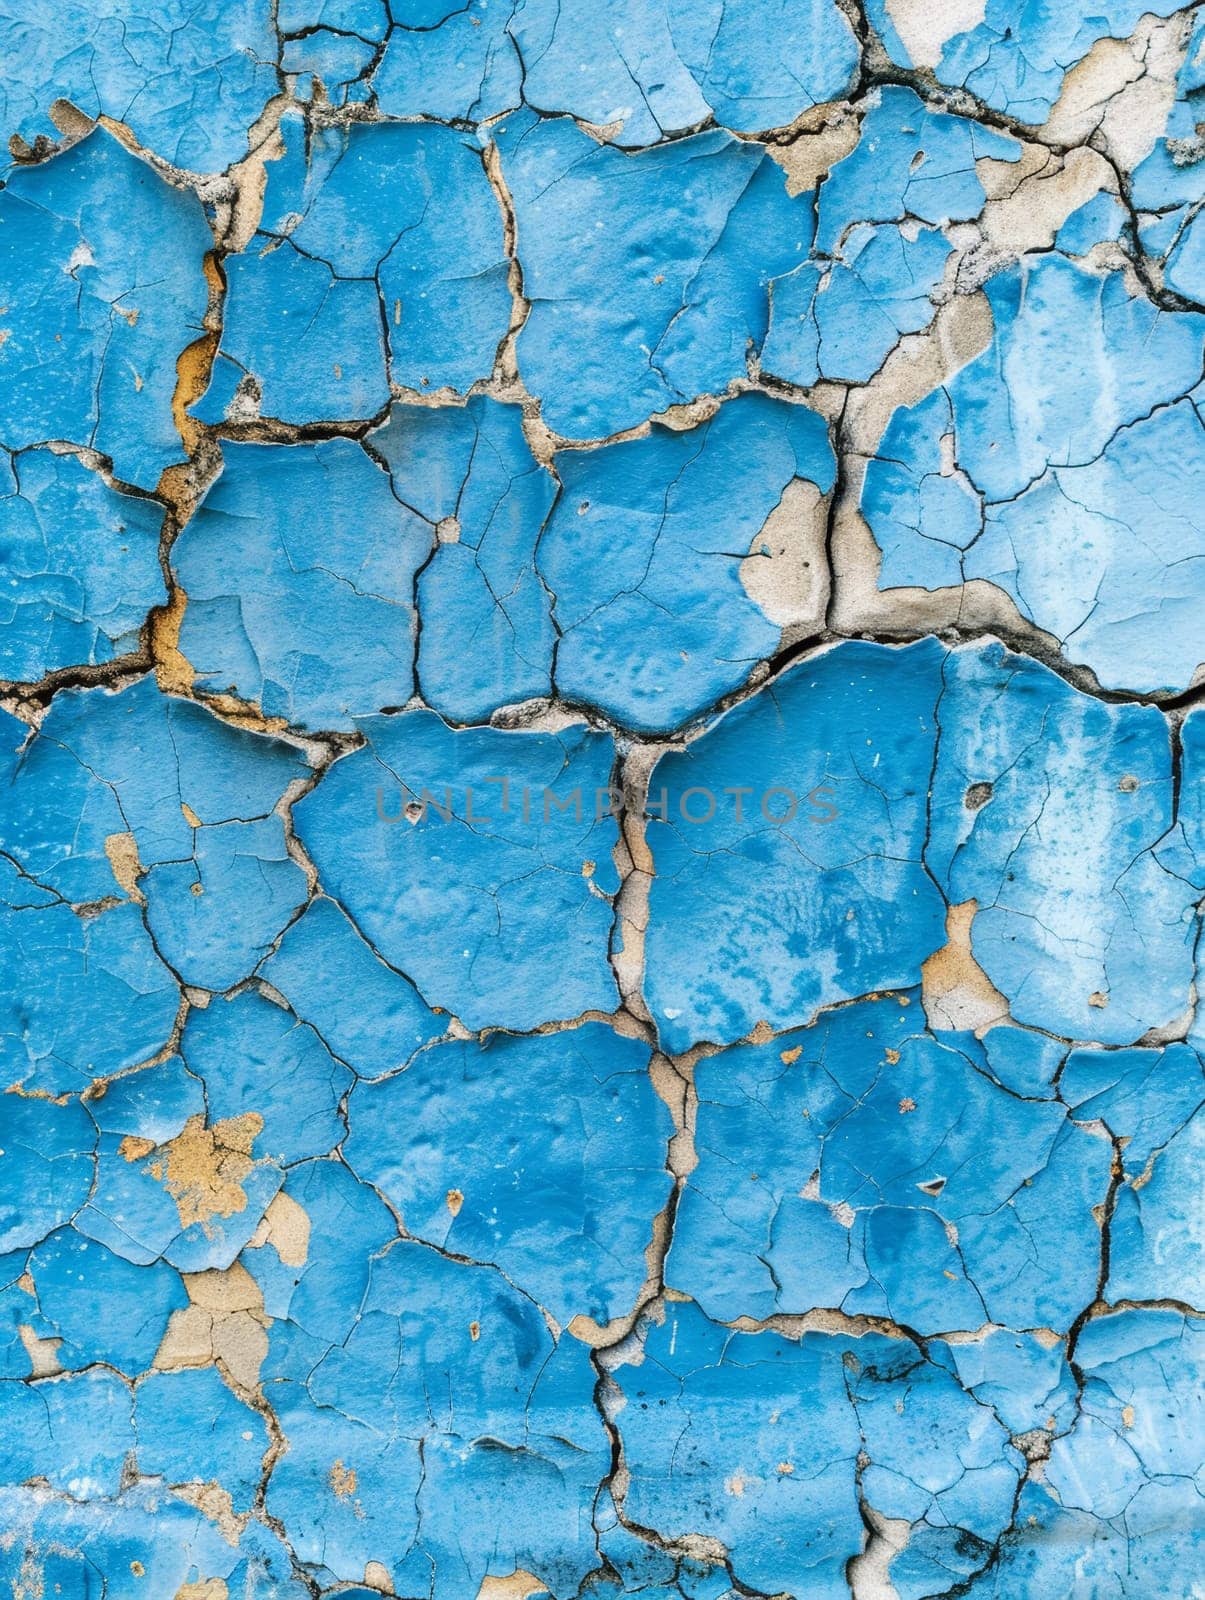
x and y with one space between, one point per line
603 832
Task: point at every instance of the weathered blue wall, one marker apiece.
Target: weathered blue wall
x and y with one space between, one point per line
603 826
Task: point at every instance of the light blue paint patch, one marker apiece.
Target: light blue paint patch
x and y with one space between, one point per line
784 1531
659 70
307 342
443 1390
141 1199
760 920
1077 830
1058 1547
264 1565
1167 188
95 329
617 68
1068 1530
531 1506
1096 221
840 319
189 79
367 19
1041 466
1184 271
75 1432
916 1276
668 520
940 1460
144 1209
883 1173
190 903
339 61
81 566
225 1442
1143 1097
754 1238
1025 1379
1157 1232
450 61
153 1104
254 1056
648 273
57 1540
1016 56
86 993
544 1156
923 515
639 1565
640 74
479 892
1133 1357
18 1311
1025 1063
1192 799
1062 333
1013 1183
1122 579
909 162
49 1166
299 569
315 1294
762 65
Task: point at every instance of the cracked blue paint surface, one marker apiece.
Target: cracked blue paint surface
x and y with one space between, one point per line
673 596
1013 57
447 892
635 307
82 562
189 80
950 1229
353 229
960 492
602 800
285 526
641 72
562 1199
732 941
93 328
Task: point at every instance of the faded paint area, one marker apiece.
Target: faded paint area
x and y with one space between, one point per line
603 831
